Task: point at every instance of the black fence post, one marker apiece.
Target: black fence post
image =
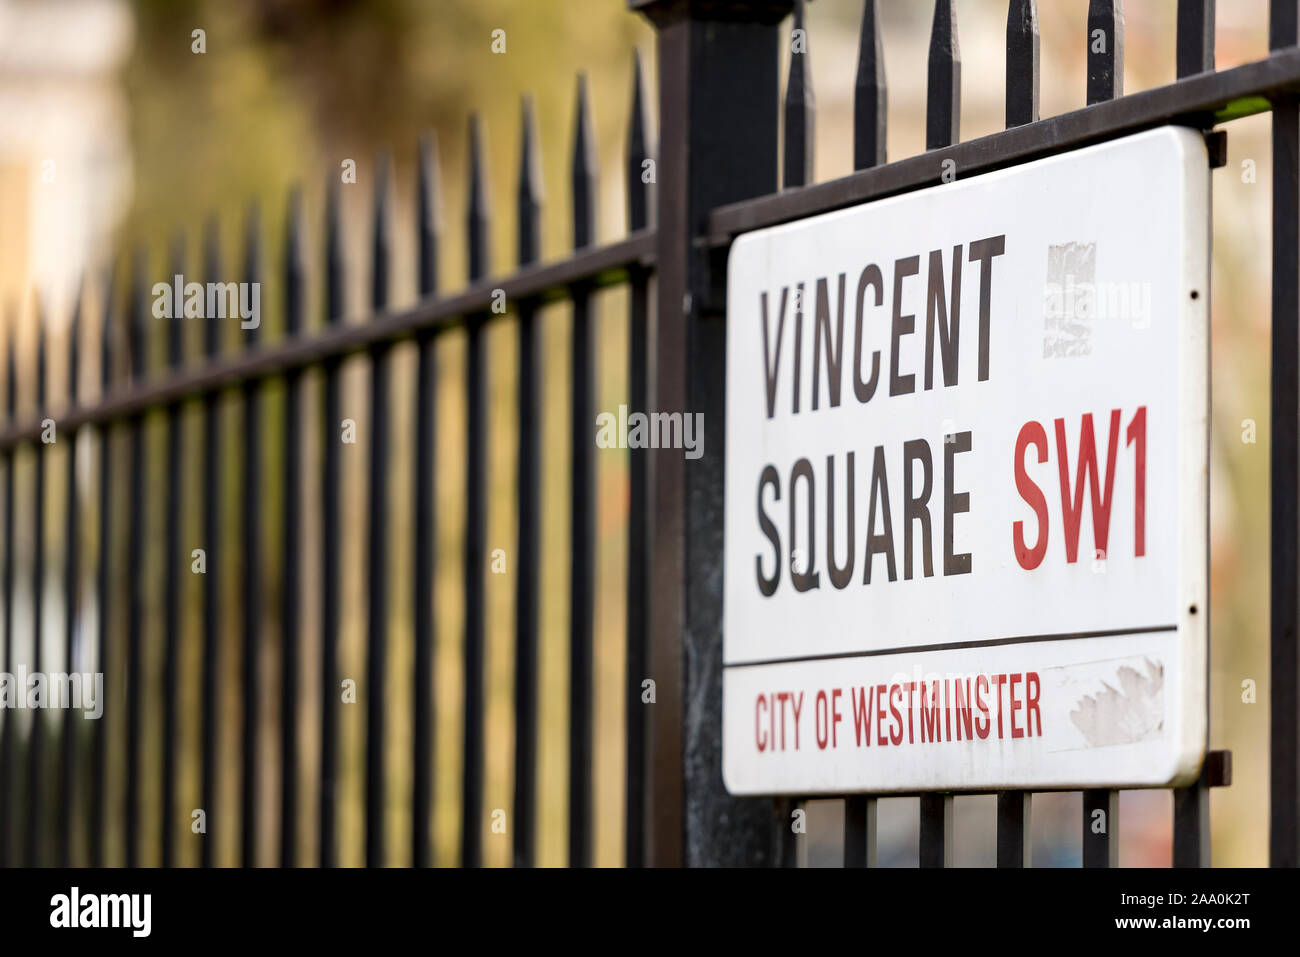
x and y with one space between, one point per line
718 102
1284 459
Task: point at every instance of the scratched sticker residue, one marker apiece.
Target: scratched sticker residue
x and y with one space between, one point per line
1129 709
1071 275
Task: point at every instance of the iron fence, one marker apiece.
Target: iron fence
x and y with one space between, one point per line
717 172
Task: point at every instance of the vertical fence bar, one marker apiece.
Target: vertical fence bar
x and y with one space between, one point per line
377 643
943 86
528 487
936 841
71 589
8 806
870 115
1105 50
7 732
870 95
638 207
291 593
582 513
1022 62
1195 45
35 844
1284 465
1100 828
1195 54
1105 43
1022 86
331 579
171 574
139 357
791 845
860 831
251 585
1014 846
477 225
103 584
213 487
1192 822
426 393
797 168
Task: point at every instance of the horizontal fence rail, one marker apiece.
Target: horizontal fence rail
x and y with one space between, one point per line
601 266
1199 100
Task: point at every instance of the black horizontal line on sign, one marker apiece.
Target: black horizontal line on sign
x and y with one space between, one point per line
952 645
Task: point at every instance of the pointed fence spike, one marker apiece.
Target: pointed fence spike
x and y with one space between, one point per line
334 267
1022 62
478 216
295 265
530 188
176 324
212 273
943 93
640 160
107 332
1105 50
138 315
429 212
11 363
800 112
42 384
869 94
74 340
584 170
380 253
251 329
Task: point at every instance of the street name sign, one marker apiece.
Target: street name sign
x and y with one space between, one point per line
966 523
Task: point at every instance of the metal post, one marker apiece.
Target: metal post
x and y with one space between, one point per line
718 101
1100 828
1015 848
1284 458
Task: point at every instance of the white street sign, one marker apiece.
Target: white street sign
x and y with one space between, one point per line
966 483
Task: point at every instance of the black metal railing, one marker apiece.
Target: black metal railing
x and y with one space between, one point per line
42 802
